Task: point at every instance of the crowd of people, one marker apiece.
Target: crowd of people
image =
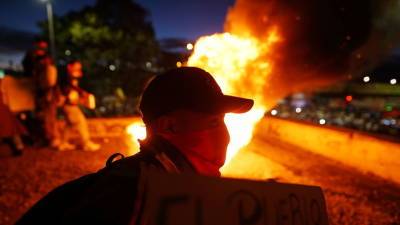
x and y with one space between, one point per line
51 95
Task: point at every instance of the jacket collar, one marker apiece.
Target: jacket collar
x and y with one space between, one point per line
168 155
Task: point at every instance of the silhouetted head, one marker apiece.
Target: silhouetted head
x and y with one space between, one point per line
187 107
74 69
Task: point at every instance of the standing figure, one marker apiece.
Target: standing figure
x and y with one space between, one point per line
40 48
47 99
75 96
10 128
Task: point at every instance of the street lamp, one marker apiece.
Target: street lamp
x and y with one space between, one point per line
49 9
189 46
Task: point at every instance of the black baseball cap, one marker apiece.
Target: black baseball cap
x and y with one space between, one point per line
188 88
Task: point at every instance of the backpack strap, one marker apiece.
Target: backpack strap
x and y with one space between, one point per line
112 158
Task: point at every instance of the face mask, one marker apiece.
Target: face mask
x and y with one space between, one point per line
205 149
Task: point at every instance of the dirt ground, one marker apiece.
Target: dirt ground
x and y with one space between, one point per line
26 179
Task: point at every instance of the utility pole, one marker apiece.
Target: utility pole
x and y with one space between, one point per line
50 22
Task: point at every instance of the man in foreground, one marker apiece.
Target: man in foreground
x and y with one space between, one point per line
183 110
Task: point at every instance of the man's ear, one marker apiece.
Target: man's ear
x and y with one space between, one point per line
165 125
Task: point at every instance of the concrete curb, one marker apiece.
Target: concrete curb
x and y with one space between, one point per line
366 153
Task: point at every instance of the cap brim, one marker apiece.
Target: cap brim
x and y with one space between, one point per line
232 104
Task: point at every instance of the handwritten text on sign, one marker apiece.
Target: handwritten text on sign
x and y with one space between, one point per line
171 199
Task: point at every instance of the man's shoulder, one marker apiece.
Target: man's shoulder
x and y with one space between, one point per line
90 195
112 195
129 166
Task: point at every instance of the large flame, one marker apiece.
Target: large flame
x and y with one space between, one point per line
232 60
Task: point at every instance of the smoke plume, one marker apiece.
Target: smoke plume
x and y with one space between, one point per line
322 41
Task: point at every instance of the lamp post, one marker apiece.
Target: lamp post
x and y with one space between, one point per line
49 9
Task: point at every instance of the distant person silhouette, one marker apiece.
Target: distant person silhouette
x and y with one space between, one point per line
76 120
40 48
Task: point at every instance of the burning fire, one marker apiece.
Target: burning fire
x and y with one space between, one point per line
233 61
236 64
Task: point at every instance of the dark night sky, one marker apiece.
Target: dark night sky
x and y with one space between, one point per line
171 18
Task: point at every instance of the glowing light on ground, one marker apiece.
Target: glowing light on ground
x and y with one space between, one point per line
136 132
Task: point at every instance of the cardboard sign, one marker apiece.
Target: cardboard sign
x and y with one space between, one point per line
172 199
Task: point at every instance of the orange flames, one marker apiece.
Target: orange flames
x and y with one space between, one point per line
235 62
